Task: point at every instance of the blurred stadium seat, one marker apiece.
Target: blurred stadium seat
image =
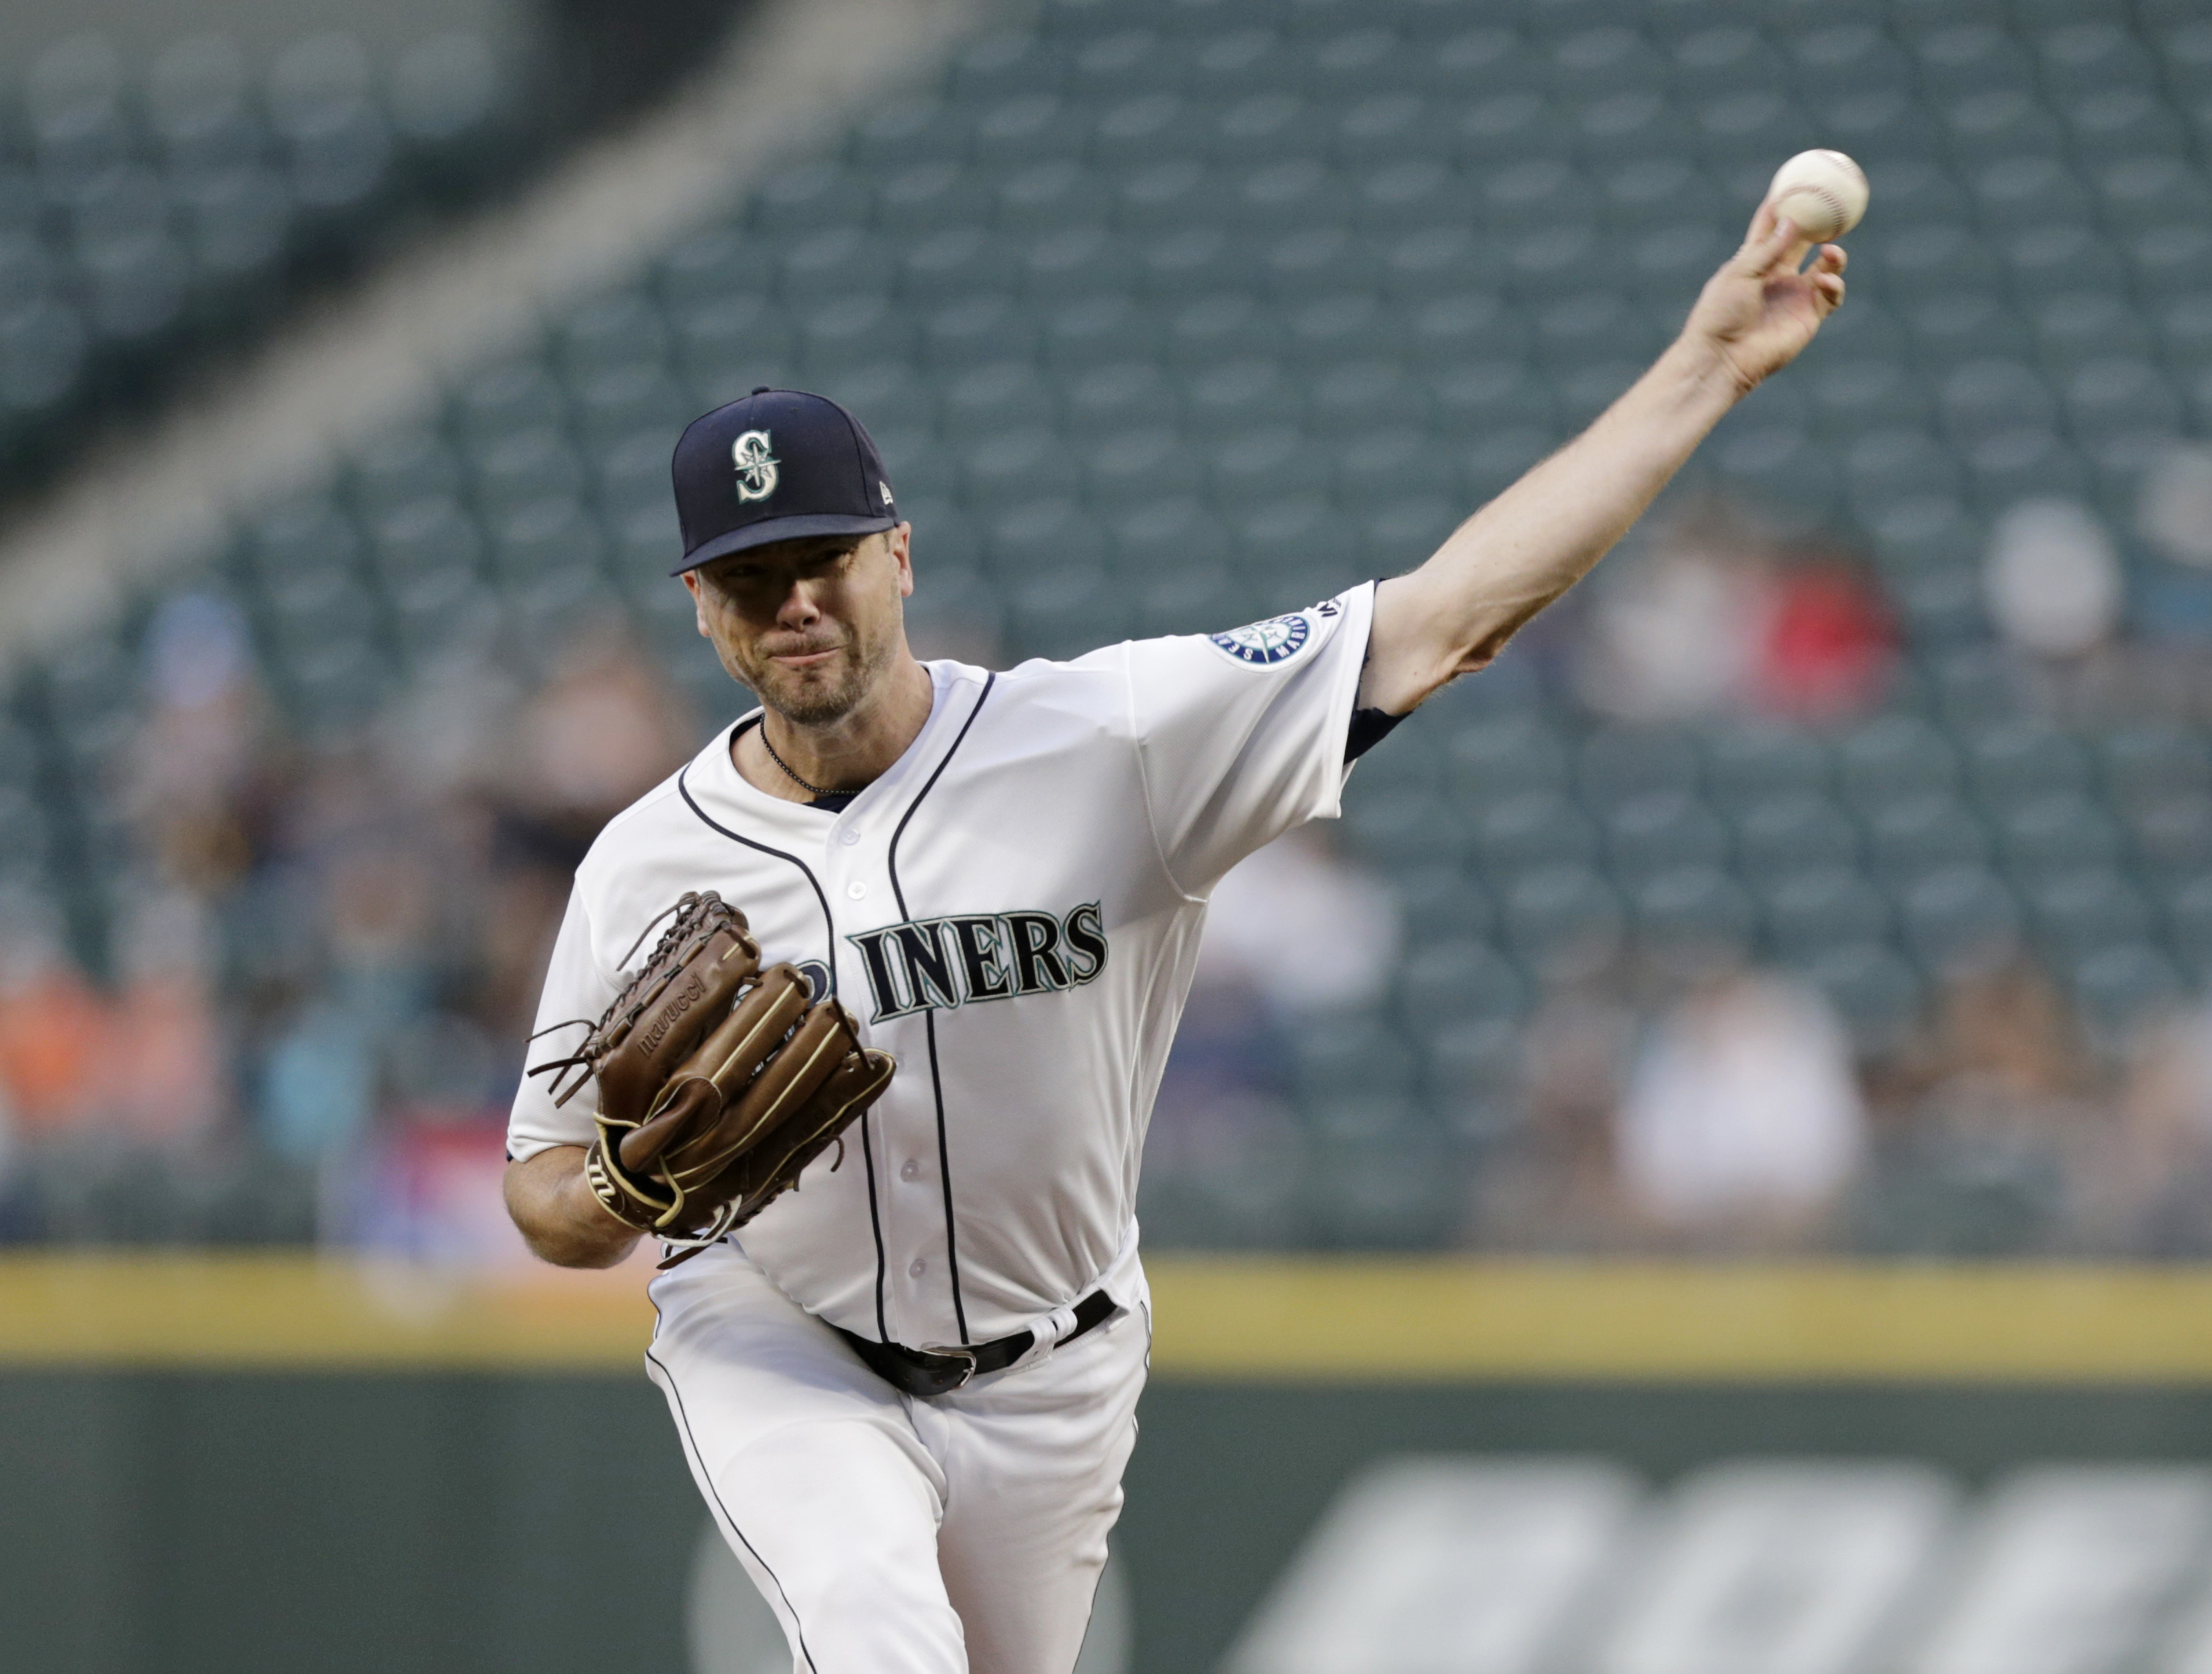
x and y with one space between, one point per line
154 210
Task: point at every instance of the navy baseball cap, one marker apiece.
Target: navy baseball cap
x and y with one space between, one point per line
778 465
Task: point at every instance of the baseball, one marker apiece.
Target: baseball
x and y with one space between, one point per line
1825 193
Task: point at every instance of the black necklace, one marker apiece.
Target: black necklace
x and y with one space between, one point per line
812 790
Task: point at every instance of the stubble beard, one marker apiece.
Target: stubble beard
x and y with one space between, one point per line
802 697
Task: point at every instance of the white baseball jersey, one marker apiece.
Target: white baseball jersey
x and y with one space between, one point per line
1013 911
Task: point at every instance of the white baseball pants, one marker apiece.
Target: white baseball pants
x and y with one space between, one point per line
892 1535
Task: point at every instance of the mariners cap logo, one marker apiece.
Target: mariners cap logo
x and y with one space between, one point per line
756 465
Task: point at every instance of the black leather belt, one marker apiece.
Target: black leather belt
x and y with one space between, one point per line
924 1373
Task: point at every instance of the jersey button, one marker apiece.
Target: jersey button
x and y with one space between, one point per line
848 837
919 1268
910 1170
856 889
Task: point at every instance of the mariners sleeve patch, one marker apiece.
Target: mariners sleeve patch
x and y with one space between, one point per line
1276 639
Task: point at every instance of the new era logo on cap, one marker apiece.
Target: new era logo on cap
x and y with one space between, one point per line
778 465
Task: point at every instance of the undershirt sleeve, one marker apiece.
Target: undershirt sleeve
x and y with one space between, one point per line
1369 728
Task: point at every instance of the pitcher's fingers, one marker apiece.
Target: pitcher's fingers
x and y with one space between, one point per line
1762 256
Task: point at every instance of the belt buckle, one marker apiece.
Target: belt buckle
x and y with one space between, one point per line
965 1358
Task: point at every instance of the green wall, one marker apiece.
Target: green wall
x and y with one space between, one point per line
1227 1481
184 1524
173 1524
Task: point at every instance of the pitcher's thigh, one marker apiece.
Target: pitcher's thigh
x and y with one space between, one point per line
844 1526
815 1477
1033 1486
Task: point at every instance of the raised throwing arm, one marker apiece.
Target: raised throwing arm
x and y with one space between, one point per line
1538 539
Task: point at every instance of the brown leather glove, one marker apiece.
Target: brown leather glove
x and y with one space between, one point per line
719 1082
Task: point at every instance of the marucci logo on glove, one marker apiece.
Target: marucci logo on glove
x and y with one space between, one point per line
672 1014
943 964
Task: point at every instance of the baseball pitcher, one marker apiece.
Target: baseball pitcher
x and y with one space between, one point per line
861 1014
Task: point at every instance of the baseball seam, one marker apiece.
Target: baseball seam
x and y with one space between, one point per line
1836 208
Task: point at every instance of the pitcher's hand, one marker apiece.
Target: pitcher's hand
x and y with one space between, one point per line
1758 311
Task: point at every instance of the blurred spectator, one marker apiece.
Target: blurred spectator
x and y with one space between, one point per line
1742 1118
519 913
431 1192
605 728
2055 589
376 899
319 1085
1552 1185
601 732
1714 617
54 1029
2176 506
1222 1157
1228 1179
953 612
2173 600
1228 1048
1674 633
14 1211
2053 580
1298 879
1828 644
399 892
195 765
1992 1114
446 735
1222 1128
2151 1182
165 1073
380 898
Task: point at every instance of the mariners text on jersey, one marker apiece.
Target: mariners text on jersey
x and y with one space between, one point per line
943 963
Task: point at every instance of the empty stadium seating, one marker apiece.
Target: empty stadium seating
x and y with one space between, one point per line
147 212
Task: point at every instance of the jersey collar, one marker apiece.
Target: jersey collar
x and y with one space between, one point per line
713 774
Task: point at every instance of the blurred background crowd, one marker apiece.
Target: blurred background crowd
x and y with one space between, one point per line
1833 872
